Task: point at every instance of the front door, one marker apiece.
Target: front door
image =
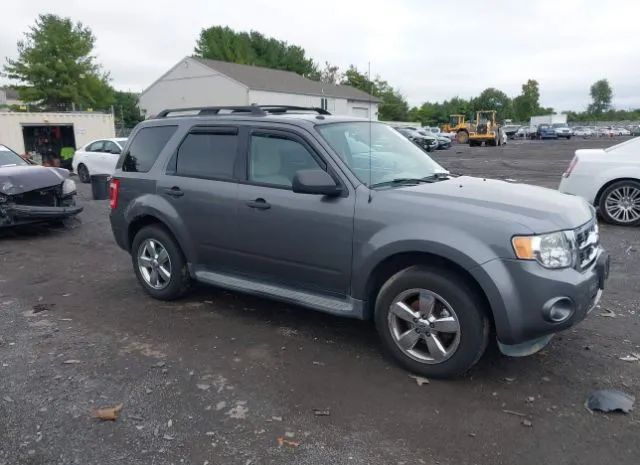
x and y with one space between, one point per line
200 184
300 240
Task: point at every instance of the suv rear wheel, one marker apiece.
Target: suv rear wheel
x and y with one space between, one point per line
159 263
431 322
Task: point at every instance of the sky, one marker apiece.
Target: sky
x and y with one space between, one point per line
429 50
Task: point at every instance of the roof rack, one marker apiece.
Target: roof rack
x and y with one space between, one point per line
255 110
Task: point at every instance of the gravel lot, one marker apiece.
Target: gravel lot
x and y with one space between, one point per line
221 378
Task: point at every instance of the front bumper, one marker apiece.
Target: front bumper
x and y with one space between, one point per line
526 291
14 214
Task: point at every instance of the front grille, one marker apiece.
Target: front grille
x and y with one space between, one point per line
39 198
587 244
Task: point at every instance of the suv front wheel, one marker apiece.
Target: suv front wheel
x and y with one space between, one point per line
159 263
431 321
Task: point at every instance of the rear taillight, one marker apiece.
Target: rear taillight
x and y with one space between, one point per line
570 168
114 192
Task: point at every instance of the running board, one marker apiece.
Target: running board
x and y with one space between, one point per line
349 307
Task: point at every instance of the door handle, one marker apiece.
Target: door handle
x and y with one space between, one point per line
260 204
174 191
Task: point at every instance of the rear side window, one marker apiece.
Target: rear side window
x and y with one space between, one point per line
145 148
96 146
208 155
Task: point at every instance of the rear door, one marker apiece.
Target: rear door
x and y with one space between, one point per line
200 182
92 157
109 157
297 240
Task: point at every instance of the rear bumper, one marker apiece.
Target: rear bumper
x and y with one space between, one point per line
527 291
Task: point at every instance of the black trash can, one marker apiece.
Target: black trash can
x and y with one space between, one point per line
100 186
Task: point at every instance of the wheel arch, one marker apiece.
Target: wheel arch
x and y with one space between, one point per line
402 260
153 210
596 201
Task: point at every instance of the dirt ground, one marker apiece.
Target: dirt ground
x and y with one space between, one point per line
222 378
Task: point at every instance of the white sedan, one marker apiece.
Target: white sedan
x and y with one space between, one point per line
97 157
609 179
581 131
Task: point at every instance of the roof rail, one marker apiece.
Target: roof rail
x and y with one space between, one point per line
202 111
255 110
286 108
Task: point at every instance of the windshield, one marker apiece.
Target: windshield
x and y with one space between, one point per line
363 144
9 158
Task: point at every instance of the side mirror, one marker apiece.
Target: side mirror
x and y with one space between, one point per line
316 181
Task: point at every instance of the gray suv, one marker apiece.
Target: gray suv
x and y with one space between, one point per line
347 216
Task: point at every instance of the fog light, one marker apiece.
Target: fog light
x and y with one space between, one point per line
558 310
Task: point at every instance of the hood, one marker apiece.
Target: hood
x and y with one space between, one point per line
19 179
538 209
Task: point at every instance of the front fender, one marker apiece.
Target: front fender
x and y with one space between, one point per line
162 210
454 244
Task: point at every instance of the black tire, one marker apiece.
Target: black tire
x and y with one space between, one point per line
180 280
604 213
83 174
462 137
463 299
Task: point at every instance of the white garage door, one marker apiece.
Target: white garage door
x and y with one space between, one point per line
362 112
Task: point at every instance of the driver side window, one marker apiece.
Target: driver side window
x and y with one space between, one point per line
275 159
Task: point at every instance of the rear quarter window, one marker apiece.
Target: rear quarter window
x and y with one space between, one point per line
145 148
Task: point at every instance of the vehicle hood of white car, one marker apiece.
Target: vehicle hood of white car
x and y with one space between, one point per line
539 209
19 179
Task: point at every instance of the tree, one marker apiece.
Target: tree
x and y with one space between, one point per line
527 104
493 99
330 74
126 109
55 66
393 106
253 48
601 95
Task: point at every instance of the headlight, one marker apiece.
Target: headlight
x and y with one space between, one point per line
68 187
553 250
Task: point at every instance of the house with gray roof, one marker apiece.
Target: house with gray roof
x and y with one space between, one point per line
195 82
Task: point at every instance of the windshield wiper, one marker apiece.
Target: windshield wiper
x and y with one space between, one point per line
409 181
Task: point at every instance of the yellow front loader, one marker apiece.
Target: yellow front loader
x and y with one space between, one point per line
458 126
485 130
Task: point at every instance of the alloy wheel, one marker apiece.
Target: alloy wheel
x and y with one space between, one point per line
154 264
424 326
623 204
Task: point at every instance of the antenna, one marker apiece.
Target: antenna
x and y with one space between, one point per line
370 92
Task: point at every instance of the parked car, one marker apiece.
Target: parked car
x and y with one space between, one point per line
510 130
583 131
618 131
443 141
604 132
609 179
97 157
562 130
32 193
545 131
525 132
287 210
424 141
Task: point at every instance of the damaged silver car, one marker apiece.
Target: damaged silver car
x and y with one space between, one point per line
31 193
